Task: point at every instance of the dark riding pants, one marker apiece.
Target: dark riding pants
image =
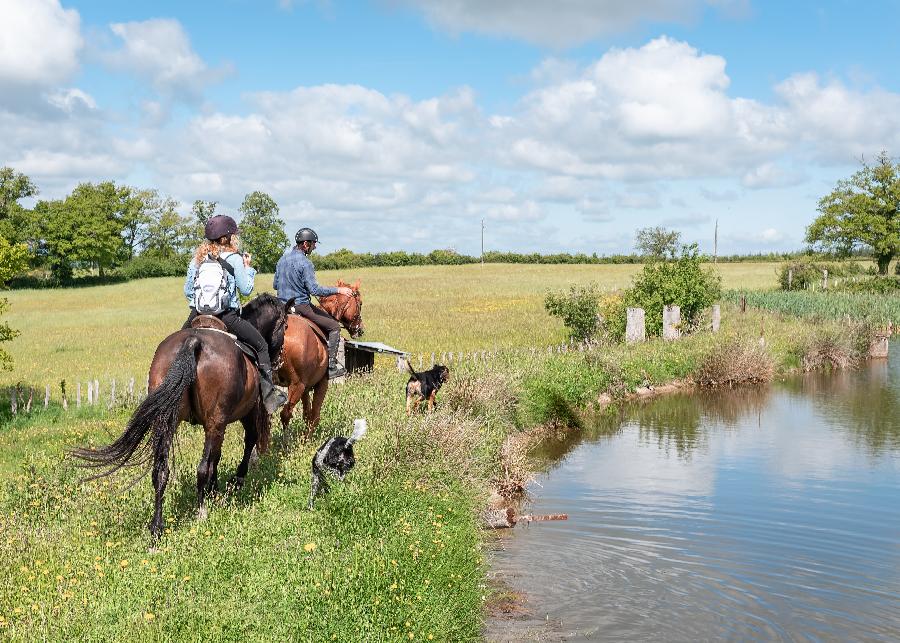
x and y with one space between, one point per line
245 331
319 317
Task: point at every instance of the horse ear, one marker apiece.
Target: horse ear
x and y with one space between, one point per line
355 286
341 283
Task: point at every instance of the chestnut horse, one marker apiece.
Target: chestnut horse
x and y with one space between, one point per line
305 367
199 376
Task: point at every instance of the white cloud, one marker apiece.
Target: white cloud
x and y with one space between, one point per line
40 44
687 221
558 24
159 51
771 175
714 195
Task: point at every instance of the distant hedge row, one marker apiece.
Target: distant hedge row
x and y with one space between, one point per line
343 258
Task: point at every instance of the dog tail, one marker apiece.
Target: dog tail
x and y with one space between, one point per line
411 369
359 430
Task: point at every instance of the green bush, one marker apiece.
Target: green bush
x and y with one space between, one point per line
142 267
579 309
807 273
682 282
877 285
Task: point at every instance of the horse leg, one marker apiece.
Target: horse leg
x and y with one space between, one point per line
206 470
249 423
316 406
295 394
160 480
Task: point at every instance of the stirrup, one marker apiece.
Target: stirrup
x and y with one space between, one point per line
336 371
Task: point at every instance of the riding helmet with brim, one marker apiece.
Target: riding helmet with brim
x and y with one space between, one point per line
220 226
306 234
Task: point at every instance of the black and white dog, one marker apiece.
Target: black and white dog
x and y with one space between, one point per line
336 457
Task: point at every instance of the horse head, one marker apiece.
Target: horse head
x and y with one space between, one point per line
269 315
348 311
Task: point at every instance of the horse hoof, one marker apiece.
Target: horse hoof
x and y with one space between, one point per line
153 550
254 457
236 483
202 513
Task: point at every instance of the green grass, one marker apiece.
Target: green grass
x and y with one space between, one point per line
869 307
394 550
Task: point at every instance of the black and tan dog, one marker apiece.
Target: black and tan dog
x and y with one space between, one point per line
423 387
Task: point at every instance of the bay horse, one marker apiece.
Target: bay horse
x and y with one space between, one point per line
304 369
202 377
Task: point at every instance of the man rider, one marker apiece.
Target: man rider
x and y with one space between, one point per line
295 276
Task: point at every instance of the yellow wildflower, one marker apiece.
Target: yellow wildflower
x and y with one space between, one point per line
310 546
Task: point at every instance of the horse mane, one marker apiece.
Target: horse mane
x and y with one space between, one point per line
254 309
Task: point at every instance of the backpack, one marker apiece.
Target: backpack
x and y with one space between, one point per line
211 296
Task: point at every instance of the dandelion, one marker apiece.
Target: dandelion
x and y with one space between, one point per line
149 616
310 547
186 578
123 563
430 636
144 561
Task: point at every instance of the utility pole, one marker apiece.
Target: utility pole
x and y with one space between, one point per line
716 243
482 243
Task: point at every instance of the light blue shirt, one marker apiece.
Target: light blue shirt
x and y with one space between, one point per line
242 280
295 276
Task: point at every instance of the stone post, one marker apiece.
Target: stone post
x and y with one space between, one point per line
824 280
671 322
635 331
716 318
879 346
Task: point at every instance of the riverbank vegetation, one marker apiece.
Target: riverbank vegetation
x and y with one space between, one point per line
394 551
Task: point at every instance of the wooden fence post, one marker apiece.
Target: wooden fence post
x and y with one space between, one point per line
635 330
112 394
46 395
14 400
96 391
743 303
825 279
90 392
65 401
790 277
716 318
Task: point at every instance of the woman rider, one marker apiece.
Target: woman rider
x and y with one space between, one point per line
221 245
295 276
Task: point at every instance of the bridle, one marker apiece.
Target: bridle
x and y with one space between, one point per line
356 322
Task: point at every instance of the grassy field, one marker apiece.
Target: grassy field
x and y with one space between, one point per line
395 551
108 332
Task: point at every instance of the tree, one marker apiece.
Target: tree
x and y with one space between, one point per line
657 243
14 186
13 260
169 235
202 211
262 231
86 227
862 211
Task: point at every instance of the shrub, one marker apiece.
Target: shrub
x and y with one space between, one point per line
735 362
805 273
877 285
682 282
142 267
579 309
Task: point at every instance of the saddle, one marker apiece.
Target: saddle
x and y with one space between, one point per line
208 322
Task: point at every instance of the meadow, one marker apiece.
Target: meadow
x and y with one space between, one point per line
395 552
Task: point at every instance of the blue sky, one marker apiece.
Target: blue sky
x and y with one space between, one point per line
402 124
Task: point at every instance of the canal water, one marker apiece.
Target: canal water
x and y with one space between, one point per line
762 514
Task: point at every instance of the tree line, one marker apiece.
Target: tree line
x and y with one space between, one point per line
119 229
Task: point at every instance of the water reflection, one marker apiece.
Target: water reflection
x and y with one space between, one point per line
759 513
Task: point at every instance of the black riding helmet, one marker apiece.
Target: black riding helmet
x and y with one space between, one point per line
220 226
306 234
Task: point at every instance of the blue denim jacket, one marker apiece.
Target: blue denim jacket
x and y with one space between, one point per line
295 276
242 280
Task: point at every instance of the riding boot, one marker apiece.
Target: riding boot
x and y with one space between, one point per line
272 396
334 369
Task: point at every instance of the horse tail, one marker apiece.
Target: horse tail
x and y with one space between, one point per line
159 412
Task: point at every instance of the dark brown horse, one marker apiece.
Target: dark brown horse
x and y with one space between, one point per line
305 367
199 376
